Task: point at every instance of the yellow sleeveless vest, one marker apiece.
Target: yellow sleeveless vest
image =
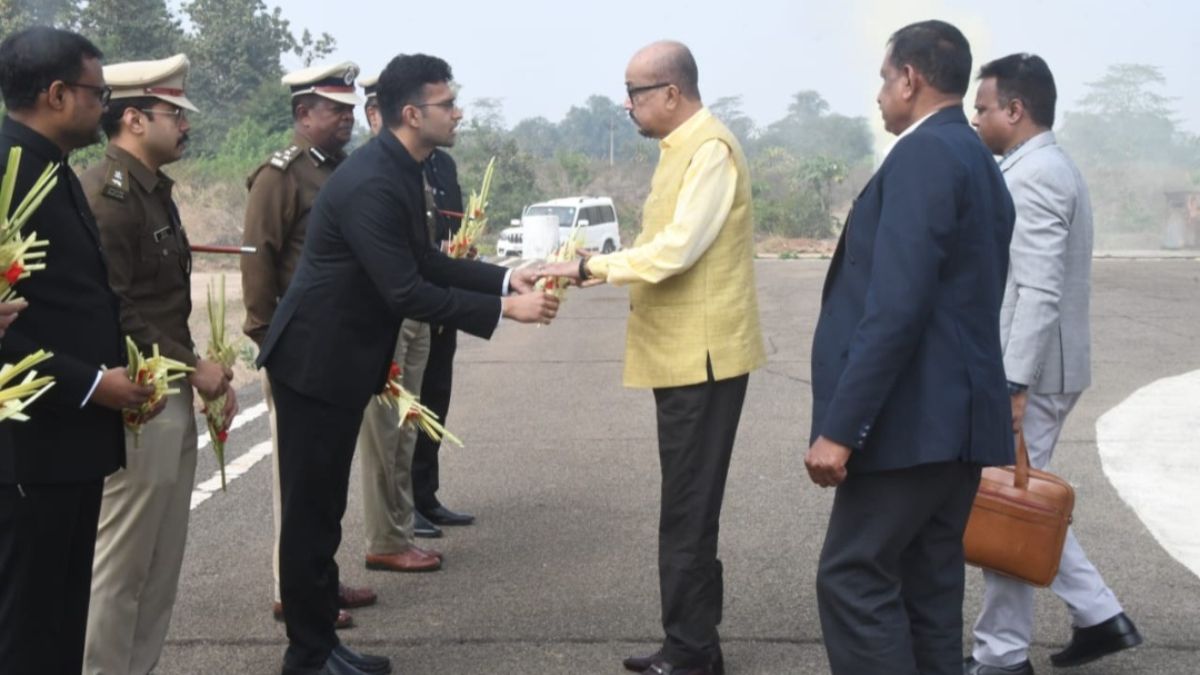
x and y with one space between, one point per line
710 311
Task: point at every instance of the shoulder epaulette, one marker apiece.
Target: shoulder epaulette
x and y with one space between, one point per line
281 159
116 182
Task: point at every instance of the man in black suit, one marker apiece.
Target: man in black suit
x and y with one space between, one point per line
52 467
442 175
909 395
367 265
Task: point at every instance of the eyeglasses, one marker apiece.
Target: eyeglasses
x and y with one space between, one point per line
447 105
103 94
179 114
630 92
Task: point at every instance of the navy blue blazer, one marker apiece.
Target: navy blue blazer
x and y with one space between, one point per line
368 264
906 360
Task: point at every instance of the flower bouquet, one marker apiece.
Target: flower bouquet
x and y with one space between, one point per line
410 410
15 397
567 251
158 372
221 351
474 222
20 254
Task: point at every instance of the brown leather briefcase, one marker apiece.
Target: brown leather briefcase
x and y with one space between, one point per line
1019 521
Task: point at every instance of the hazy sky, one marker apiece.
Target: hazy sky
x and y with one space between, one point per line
540 57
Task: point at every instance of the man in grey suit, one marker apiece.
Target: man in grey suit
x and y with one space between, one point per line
1045 334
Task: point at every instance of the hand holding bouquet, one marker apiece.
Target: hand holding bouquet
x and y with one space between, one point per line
566 254
222 352
20 254
410 410
474 222
157 372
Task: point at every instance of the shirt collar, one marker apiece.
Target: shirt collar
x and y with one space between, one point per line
315 154
1025 147
686 129
149 180
28 138
911 128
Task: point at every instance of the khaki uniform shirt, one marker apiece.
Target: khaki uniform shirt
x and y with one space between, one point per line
282 191
149 258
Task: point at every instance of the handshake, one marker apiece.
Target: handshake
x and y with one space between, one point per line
532 302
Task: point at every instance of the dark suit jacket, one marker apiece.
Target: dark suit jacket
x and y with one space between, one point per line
72 313
906 360
367 265
442 175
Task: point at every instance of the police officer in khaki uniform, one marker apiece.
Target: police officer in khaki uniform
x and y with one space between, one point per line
282 191
144 512
386 448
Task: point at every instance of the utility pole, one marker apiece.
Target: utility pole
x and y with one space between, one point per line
611 130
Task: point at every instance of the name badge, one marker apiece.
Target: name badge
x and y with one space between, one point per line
162 233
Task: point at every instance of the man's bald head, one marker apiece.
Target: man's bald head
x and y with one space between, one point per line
669 61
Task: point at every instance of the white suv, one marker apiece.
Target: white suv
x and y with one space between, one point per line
595 216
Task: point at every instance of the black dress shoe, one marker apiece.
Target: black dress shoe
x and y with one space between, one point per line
640 664
1093 642
335 665
664 668
440 515
367 663
973 667
423 528
344 661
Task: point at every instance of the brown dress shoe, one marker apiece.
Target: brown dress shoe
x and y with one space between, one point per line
411 560
350 597
344 620
430 551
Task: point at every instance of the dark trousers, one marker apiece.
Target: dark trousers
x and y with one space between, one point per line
435 394
890 578
697 425
316 446
47 542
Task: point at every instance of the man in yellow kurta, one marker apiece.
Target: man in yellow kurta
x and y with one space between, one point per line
693 336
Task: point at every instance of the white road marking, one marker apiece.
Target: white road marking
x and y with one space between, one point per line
233 470
243 418
1150 450
237 467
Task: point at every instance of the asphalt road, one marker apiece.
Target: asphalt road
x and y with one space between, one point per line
558 575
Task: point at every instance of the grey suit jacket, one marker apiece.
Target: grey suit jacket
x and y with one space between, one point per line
1044 326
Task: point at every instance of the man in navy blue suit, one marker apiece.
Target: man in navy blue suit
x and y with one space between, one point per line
909 395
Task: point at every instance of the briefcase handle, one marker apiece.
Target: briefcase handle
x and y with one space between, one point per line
1021 475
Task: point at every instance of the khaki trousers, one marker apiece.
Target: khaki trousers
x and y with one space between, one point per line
140 542
276 499
387 452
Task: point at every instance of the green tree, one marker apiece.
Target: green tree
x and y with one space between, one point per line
792 195
1128 144
131 30
514 185
16 15
235 48
728 109
809 128
1123 117
598 126
537 136
577 168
